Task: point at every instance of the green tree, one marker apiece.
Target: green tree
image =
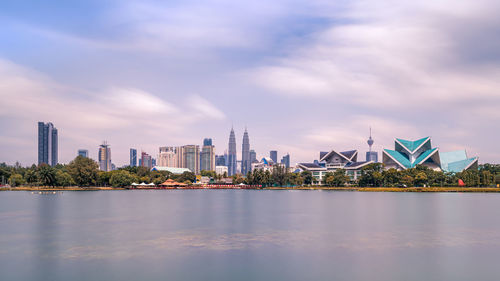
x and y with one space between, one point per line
16 180
46 175
337 178
420 179
371 175
391 177
470 177
186 176
64 179
83 170
497 179
307 176
237 179
486 178
103 178
279 175
121 178
30 176
407 180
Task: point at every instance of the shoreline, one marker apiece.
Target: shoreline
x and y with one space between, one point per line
353 189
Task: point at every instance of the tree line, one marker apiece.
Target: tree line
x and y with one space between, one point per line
85 172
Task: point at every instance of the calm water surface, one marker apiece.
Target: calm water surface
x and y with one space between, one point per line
249 235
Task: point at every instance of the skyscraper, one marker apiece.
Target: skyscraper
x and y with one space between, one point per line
245 154
207 156
231 156
146 160
371 155
273 154
105 157
133 157
220 160
83 153
253 156
189 157
168 157
47 144
286 160
207 142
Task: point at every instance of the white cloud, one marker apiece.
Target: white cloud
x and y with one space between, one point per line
123 116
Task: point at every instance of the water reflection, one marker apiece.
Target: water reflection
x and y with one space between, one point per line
248 235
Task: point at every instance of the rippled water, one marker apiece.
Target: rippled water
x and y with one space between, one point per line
249 235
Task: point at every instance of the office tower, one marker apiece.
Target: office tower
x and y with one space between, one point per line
220 160
253 156
286 160
207 156
47 144
83 153
146 160
273 154
231 156
246 165
105 157
207 142
133 157
168 157
189 157
371 155
153 162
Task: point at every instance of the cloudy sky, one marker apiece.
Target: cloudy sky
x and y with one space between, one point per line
303 76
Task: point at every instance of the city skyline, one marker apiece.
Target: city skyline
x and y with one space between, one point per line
145 68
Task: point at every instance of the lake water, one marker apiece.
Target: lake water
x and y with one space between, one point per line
249 235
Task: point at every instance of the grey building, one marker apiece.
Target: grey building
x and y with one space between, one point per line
83 153
47 144
207 156
253 156
286 160
273 154
246 164
105 157
133 157
220 160
231 155
190 155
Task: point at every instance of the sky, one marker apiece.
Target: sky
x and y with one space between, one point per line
301 76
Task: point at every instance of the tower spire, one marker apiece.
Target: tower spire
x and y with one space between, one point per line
370 140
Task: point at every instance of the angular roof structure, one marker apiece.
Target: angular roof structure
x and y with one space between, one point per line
457 161
408 154
349 156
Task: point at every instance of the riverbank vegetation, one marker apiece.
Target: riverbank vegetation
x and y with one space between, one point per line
84 172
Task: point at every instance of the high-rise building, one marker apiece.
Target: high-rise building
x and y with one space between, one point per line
189 157
47 144
83 153
371 155
105 157
207 156
253 156
246 165
231 156
220 160
133 157
146 160
207 142
168 157
273 154
286 160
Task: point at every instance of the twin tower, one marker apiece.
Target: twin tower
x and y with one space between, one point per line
246 164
